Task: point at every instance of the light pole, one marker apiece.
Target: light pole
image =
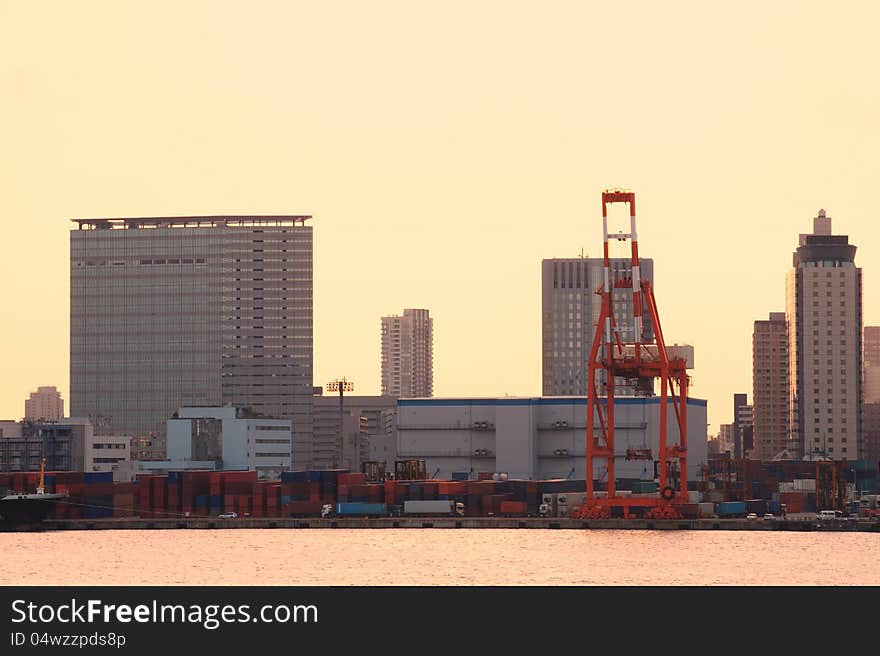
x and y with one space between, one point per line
341 385
855 485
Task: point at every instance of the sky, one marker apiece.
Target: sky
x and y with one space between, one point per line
444 150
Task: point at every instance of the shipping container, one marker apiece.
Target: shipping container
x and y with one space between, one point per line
362 509
706 508
644 487
429 507
513 508
731 509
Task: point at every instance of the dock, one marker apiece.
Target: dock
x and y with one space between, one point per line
703 524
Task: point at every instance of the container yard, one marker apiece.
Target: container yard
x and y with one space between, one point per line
783 495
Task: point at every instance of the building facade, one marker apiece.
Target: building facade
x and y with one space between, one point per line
871 364
45 404
871 435
745 422
569 313
408 354
537 438
824 316
202 311
770 386
725 439
61 443
109 453
739 401
365 419
231 438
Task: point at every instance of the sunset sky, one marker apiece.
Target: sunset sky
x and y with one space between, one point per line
445 149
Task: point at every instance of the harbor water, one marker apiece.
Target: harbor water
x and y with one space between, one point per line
366 557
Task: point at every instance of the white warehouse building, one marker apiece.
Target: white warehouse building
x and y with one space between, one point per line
538 438
231 438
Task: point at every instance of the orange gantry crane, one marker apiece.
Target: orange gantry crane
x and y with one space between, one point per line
639 362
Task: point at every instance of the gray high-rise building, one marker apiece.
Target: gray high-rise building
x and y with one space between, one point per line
824 315
569 313
191 311
408 354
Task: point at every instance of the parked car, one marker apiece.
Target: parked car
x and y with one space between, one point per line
752 516
228 515
768 515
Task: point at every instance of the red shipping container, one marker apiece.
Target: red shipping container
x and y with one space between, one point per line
352 479
457 488
215 484
513 508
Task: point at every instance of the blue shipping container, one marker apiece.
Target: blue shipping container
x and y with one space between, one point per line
731 508
353 508
98 477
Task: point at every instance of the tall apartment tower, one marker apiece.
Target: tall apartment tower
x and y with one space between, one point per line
45 404
569 312
770 385
408 354
871 365
191 311
824 314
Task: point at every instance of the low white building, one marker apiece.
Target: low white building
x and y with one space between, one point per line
109 453
230 438
537 437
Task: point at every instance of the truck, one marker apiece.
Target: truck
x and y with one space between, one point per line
433 507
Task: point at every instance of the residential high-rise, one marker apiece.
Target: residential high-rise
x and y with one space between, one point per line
871 363
770 385
45 404
408 354
824 315
191 311
569 313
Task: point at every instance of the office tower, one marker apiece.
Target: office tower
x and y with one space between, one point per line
45 404
770 385
824 315
569 312
191 311
871 364
408 354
